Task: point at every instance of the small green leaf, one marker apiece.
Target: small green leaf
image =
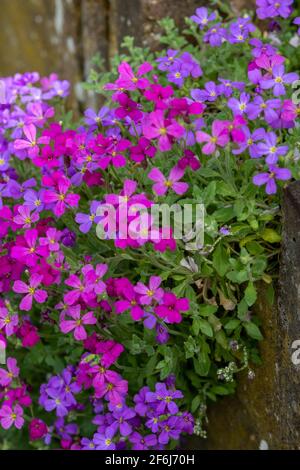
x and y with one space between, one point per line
270 235
253 331
250 294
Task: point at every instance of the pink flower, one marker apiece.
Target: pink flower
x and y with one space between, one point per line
28 253
28 334
8 322
7 376
31 143
127 80
219 137
77 323
151 292
52 239
24 217
31 292
130 303
37 429
171 308
11 416
114 390
60 198
94 276
155 126
163 184
82 290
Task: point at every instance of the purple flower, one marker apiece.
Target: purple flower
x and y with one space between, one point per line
280 78
68 238
239 106
227 86
162 335
120 421
297 22
215 35
166 61
273 8
65 431
34 200
258 106
104 441
163 399
202 17
271 149
170 429
93 119
177 73
86 220
142 442
4 161
210 93
269 179
260 48
250 142
57 401
141 406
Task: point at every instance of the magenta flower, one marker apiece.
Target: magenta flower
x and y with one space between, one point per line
25 218
7 376
129 302
171 308
113 391
11 416
8 322
51 240
163 184
94 276
81 290
129 81
29 251
31 292
219 137
155 126
77 323
269 178
61 199
151 292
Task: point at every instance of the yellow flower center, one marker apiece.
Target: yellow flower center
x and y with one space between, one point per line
150 293
273 149
278 80
168 183
177 74
163 131
31 290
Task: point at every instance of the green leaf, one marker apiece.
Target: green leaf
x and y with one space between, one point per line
253 331
199 324
270 235
232 324
250 294
220 260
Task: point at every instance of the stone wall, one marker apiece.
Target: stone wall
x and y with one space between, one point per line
64 35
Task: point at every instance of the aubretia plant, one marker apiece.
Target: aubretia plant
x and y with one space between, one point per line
119 339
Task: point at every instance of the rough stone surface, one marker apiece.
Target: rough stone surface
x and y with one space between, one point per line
265 412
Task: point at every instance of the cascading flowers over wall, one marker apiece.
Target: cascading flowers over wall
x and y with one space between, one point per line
121 342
